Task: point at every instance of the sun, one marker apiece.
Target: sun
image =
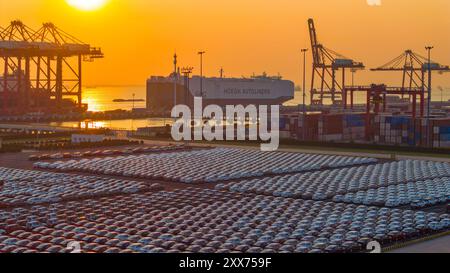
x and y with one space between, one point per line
87 5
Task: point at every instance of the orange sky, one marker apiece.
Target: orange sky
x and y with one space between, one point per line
244 36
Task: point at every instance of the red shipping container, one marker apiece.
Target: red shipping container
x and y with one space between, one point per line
332 124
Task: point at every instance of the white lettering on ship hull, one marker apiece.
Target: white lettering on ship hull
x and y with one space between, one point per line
247 91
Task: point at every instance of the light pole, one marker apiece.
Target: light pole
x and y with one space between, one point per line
175 78
429 48
304 50
132 119
201 71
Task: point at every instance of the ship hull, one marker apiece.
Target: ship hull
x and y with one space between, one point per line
217 91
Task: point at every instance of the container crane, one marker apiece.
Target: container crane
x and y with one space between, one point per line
15 49
47 53
326 65
414 68
68 46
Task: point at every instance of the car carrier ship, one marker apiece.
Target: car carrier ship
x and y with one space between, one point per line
257 90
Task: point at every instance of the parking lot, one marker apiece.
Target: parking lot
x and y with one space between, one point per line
218 200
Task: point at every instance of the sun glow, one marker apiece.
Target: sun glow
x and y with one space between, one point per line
87 5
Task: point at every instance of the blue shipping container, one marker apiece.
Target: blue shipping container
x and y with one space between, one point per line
398 121
444 137
283 122
444 130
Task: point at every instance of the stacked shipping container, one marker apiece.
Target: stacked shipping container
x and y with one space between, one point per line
288 125
397 130
386 129
297 126
321 127
343 127
354 127
441 133
331 128
403 130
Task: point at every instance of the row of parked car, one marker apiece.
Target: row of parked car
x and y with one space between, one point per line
11 174
249 224
325 185
208 165
107 152
418 194
48 215
23 187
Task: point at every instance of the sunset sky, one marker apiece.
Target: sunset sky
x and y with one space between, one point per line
139 37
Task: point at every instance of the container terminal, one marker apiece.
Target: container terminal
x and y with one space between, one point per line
403 115
111 191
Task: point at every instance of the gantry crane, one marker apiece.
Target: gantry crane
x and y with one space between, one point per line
14 49
326 65
46 54
414 68
376 101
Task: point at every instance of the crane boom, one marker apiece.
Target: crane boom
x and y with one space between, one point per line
317 58
326 64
